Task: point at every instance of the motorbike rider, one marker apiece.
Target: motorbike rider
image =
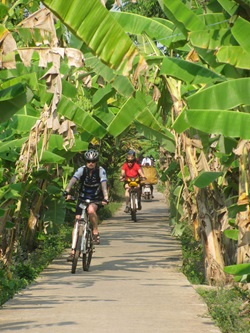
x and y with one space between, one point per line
131 169
93 186
148 161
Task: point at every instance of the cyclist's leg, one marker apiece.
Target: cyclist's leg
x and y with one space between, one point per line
92 211
126 198
77 217
139 197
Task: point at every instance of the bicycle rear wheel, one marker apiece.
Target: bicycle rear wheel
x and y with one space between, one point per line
87 251
77 253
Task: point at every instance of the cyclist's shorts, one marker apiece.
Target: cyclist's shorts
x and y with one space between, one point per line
79 209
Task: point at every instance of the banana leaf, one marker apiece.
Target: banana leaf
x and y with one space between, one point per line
138 25
90 21
55 212
239 269
231 234
80 117
102 95
205 178
230 6
127 114
12 99
30 79
146 118
123 86
105 116
22 123
50 158
228 123
121 83
163 138
212 39
235 209
240 31
235 56
215 20
5 147
96 65
223 96
68 89
185 19
188 71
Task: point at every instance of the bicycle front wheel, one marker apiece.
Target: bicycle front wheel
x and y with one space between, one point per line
77 253
133 207
87 251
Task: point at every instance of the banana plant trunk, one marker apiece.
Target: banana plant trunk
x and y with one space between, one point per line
243 218
209 227
199 205
33 220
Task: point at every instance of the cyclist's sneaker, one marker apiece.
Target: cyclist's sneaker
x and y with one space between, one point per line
139 205
70 257
126 210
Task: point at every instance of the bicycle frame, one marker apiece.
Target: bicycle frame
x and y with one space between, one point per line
82 242
81 221
133 184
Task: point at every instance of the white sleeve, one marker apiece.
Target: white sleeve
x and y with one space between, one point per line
102 174
79 173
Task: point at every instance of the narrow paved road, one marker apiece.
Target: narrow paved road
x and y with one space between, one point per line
134 285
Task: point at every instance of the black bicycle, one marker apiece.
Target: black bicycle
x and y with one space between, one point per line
83 244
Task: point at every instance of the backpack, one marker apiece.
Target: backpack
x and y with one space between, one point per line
91 185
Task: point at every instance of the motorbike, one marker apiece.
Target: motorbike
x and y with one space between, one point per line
146 191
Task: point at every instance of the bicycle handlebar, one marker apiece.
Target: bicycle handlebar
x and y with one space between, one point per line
86 201
122 179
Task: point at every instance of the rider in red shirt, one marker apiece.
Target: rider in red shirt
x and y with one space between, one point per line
131 169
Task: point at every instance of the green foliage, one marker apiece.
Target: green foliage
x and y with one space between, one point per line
26 267
193 260
229 308
148 8
241 272
205 178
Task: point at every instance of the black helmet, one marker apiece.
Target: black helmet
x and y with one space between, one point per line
91 155
131 152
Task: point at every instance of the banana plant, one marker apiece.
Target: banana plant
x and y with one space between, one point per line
207 111
36 119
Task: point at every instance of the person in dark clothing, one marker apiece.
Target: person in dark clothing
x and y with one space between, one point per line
93 186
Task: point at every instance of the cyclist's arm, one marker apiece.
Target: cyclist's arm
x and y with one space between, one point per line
71 183
123 174
104 190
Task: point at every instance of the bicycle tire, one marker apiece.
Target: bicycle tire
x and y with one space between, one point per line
88 251
133 208
77 253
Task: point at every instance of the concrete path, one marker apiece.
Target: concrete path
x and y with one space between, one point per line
134 285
